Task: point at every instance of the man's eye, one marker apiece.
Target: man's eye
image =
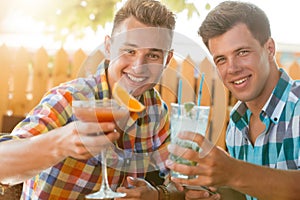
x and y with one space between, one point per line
242 53
219 61
129 51
153 56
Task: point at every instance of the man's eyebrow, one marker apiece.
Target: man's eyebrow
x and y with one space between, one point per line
241 48
130 44
155 49
217 56
136 46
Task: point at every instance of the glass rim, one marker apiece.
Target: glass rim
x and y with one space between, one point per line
195 106
96 102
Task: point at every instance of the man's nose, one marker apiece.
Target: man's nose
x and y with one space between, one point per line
139 65
233 66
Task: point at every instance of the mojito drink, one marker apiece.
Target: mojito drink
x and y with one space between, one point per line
187 117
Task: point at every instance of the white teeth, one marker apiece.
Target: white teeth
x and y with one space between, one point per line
133 78
240 81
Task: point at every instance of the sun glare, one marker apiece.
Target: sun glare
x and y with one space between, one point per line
18 23
19 28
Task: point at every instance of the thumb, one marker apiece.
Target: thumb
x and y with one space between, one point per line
135 182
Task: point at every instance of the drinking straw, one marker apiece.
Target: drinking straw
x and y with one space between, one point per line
179 95
200 89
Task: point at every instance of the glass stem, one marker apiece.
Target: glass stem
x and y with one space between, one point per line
104 185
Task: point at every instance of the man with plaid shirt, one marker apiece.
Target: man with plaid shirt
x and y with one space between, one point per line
263 136
55 153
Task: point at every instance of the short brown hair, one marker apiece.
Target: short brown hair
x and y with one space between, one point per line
149 12
229 13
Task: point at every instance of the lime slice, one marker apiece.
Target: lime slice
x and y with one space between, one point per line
188 106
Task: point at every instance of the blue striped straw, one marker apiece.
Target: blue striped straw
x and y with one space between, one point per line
200 89
179 95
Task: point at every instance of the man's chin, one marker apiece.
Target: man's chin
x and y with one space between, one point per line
139 91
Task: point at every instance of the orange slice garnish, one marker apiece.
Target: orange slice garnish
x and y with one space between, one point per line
124 98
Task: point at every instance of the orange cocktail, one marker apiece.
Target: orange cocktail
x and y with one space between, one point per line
99 110
106 110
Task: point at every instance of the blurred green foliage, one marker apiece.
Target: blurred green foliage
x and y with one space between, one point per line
76 15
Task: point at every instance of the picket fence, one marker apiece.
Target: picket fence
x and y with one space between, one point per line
25 76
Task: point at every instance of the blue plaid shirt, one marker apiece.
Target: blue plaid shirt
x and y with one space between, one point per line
279 145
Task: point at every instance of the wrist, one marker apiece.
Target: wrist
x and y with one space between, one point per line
235 180
163 192
3 187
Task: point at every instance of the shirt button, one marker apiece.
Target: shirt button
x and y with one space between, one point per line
127 161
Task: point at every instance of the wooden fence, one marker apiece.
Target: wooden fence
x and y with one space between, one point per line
25 76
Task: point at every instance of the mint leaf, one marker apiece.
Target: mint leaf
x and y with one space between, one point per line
188 106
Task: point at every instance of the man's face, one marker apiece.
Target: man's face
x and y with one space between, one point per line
243 64
138 54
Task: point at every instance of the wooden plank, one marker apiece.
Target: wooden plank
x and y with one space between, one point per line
61 70
169 82
41 76
20 103
5 63
78 59
278 60
90 64
188 80
207 68
294 71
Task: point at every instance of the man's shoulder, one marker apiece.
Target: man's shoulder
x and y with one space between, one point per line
77 88
295 89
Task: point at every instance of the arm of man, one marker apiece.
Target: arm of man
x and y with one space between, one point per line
22 159
216 168
272 183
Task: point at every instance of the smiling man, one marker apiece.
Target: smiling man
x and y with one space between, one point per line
51 152
263 136
138 56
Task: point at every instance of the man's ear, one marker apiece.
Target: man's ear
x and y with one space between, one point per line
270 45
169 57
107 44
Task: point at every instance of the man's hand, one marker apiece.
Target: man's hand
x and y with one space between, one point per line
82 140
198 194
214 166
139 189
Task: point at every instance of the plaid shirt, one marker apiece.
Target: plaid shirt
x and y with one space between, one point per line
279 145
145 141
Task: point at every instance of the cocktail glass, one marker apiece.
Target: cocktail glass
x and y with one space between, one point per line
187 117
106 110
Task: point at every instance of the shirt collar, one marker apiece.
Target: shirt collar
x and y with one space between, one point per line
102 80
273 107
277 101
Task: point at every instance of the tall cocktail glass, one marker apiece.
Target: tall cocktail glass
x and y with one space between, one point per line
187 117
106 110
